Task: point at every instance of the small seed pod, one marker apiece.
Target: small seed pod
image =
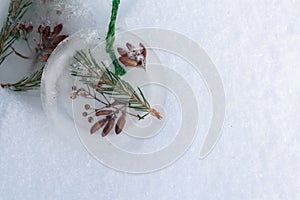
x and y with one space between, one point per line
90 119
87 106
73 95
84 114
103 112
120 124
108 127
98 125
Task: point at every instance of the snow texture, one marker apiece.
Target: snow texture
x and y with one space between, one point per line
255 45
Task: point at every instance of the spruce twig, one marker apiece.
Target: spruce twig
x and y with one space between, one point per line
49 39
16 11
29 82
91 73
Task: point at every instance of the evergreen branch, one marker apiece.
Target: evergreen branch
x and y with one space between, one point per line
29 82
111 84
16 11
110 38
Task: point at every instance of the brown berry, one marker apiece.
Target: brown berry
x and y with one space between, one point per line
87 106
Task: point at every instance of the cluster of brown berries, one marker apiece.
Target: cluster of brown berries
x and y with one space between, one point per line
111 119
48 40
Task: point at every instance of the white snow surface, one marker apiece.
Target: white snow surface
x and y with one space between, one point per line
255 45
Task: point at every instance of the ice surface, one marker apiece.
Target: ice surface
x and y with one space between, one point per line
254 44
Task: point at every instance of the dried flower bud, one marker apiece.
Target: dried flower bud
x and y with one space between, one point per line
90 119
103 112
87 106
98 125
57 29
73 95
128 62
120 124
58 39
109 126
84 114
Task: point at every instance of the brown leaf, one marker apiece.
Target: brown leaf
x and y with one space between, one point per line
103 112
120 124
108 127
58 39
128 62
122 52
98 125
57 29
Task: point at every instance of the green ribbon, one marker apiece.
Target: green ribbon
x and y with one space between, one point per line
110 38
